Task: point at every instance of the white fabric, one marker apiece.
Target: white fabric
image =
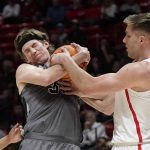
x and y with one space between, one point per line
89 135
125 126
11 11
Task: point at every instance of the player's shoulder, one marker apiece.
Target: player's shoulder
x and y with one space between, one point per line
24 67
136 68
142 66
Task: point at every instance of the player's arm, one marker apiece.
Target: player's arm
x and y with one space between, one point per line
133 75
13 136
104 105
27 73
130 76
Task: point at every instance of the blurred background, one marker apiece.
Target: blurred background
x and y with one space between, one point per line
95 24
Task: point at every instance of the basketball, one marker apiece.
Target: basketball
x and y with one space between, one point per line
72 51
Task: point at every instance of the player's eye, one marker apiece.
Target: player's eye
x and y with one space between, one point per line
34 45
26 51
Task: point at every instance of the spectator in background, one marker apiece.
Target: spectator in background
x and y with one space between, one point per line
7 77
11 12
76 35
55 14
8 72
2 133
60 37
6 102
92 130
18 114
75 4
108 12
28 8
106 55
103 144
129 7
95 66
3 3
38 11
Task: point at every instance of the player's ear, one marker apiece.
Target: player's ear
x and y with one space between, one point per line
23 57
46 44
142 39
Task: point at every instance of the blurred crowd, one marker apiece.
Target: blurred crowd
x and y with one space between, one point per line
95 24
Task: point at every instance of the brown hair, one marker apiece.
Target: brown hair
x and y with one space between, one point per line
27 35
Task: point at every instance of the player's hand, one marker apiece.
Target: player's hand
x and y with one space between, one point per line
57 58
82 51
15 134
68 88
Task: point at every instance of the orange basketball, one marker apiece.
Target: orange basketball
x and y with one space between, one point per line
72 51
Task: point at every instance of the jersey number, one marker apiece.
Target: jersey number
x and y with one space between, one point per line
54 88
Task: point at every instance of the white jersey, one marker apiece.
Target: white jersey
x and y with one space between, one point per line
132 118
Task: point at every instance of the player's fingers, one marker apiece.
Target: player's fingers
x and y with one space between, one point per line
62 83
77 46
22 132
69 93
21 127
65 88
16 125
64 49
16 130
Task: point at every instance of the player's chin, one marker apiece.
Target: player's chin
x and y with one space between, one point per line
41 60
131 56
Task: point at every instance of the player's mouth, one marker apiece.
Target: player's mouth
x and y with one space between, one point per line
38 55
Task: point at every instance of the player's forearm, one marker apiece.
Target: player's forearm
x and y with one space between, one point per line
53 74
79 77
91 103
4 142
104 105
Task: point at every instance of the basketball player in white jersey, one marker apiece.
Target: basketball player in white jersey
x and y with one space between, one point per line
125 93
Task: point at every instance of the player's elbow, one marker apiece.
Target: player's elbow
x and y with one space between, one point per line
107 112
45 82
48 81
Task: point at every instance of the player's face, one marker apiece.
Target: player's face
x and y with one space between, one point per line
131 41
36 52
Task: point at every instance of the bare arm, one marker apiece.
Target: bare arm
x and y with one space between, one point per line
27 73
105 105
13 136
133 75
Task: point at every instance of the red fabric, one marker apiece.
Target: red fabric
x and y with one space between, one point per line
135 119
